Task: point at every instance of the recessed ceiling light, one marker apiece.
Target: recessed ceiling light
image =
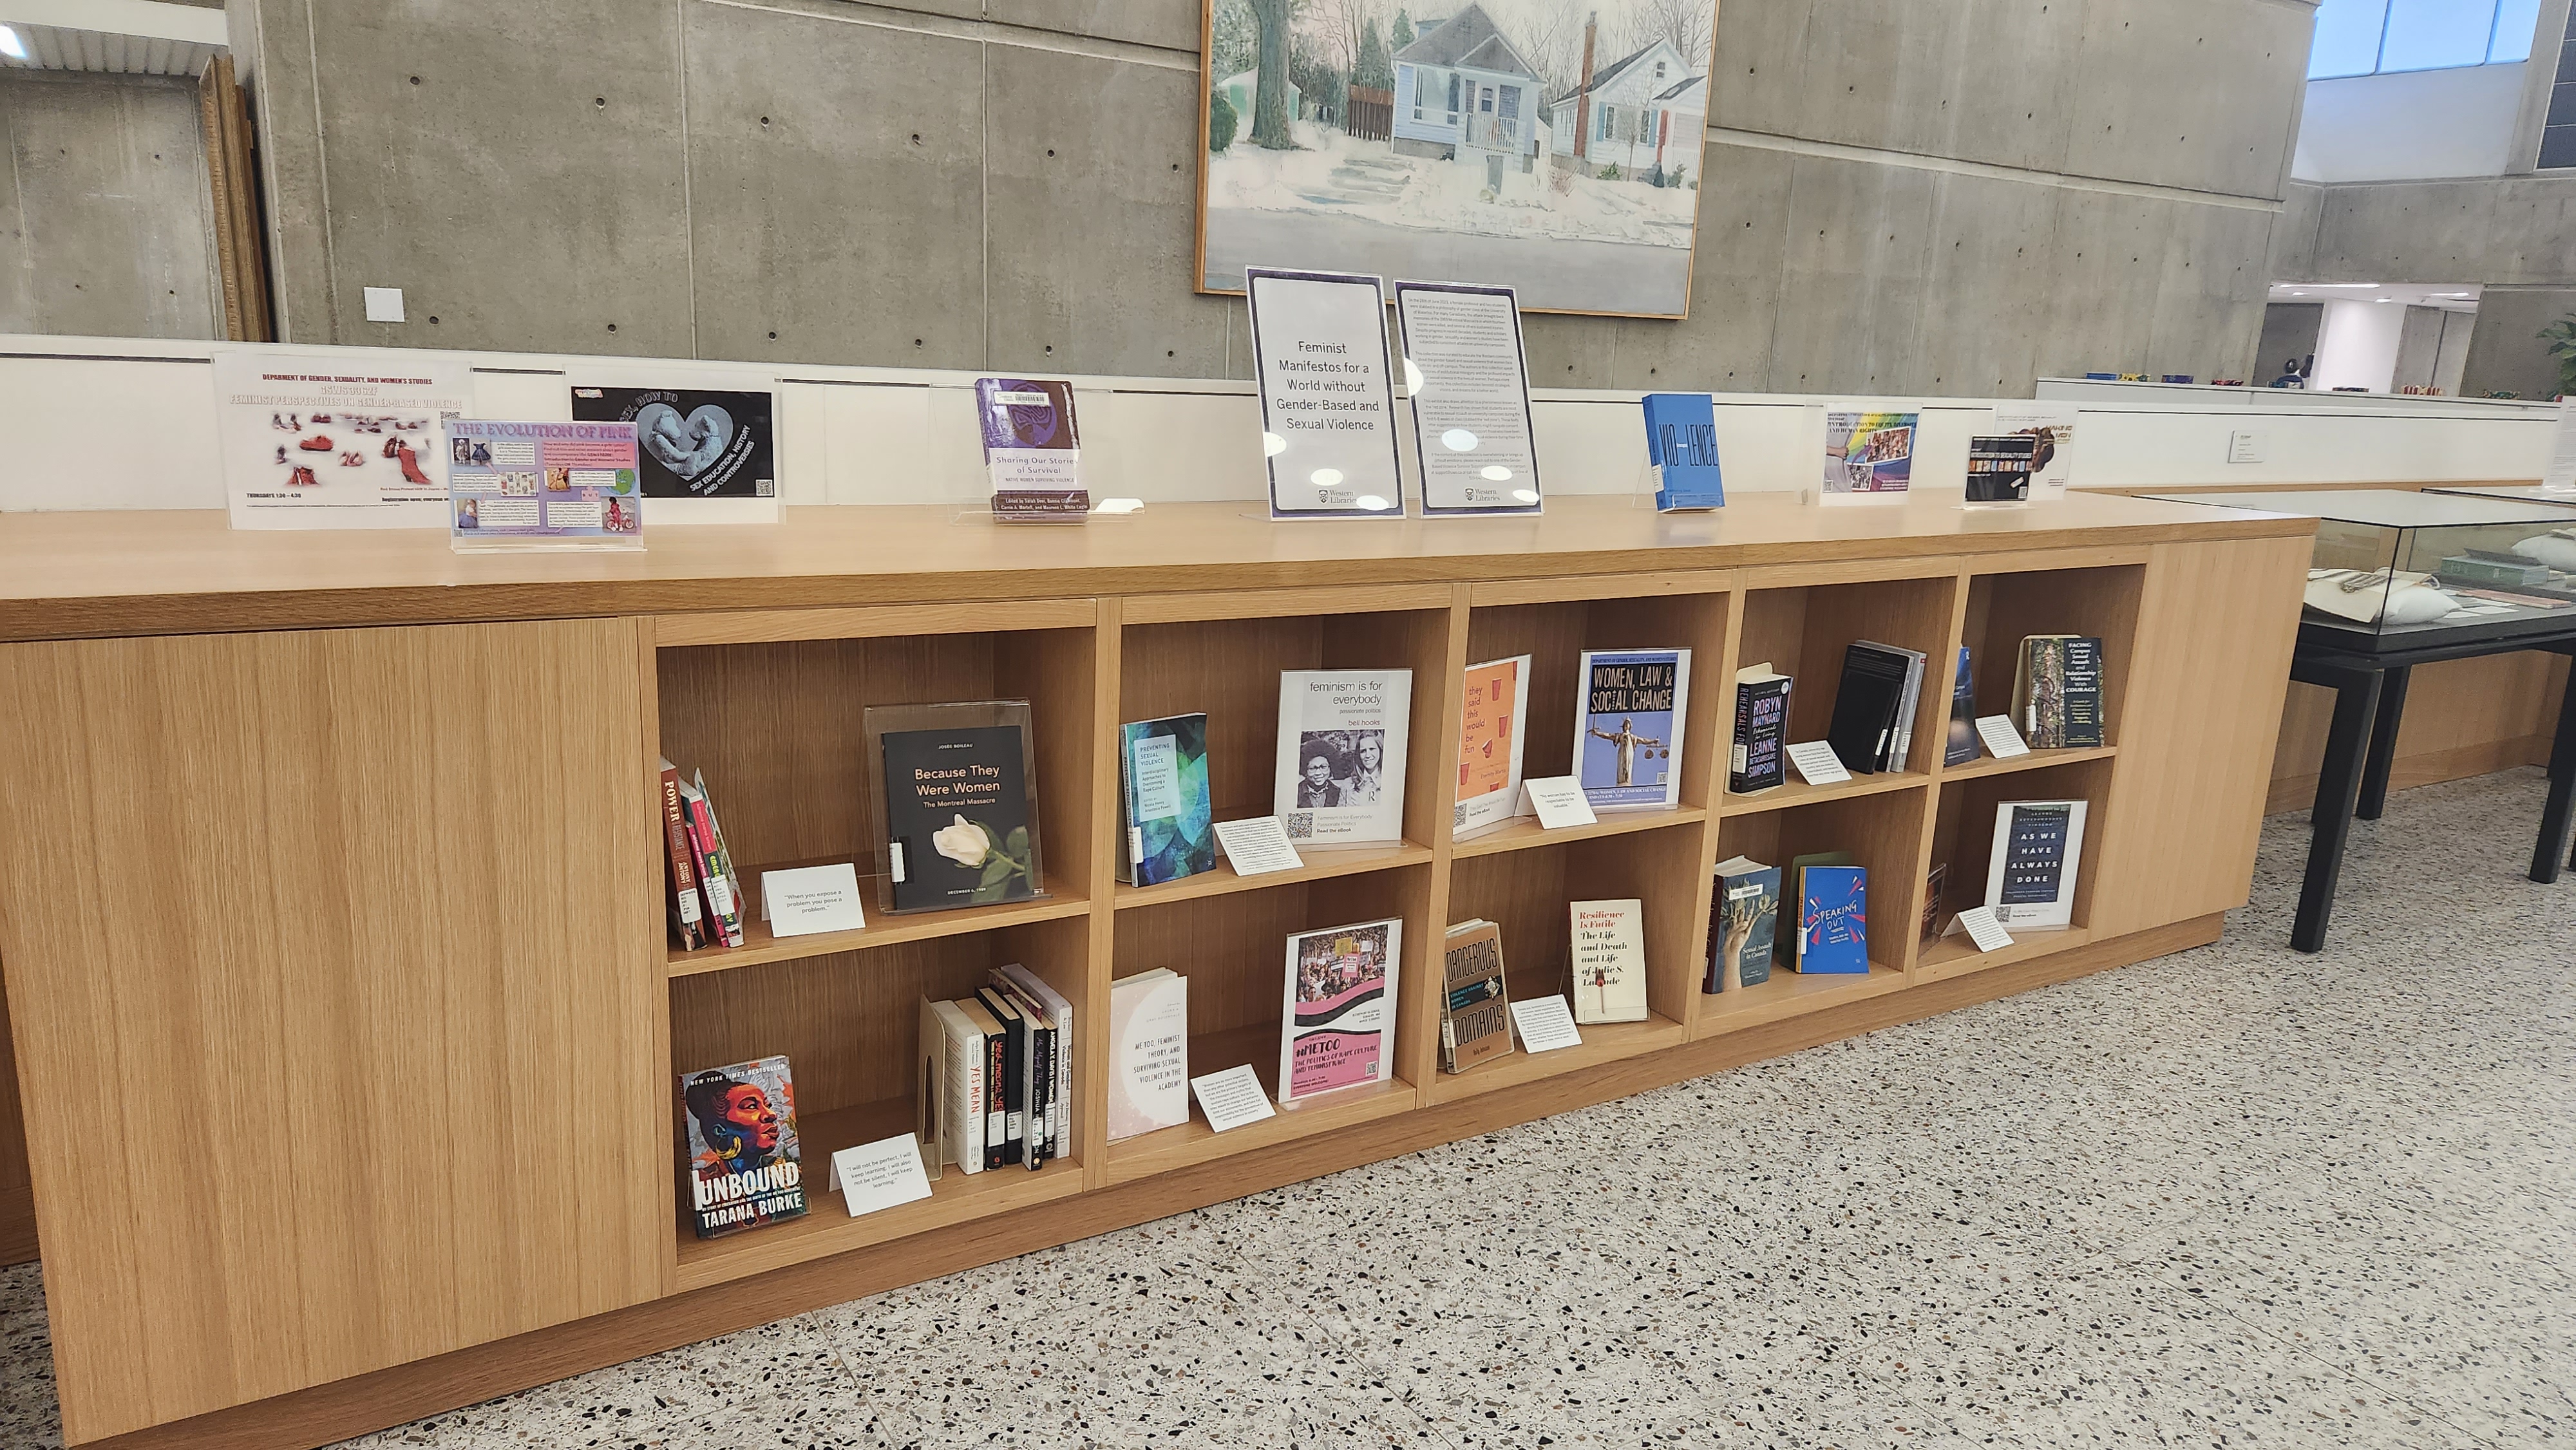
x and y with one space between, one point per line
10 45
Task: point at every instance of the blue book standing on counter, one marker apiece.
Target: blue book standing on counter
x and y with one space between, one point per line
1681 446
1835 917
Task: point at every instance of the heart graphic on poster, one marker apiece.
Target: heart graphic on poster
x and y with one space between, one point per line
687 446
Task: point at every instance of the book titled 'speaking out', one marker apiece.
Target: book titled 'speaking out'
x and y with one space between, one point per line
1761 722
1628 726
743 1168
1163 777
1834 917
957 817
1337 1025
1681 447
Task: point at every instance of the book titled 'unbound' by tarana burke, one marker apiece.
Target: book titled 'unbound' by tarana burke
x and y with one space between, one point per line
743 1162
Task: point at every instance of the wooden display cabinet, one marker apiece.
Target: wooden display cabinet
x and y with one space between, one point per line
357 814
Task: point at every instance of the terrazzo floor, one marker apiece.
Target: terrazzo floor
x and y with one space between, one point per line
2231 1197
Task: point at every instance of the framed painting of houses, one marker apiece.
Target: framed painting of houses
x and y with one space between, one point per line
1553 146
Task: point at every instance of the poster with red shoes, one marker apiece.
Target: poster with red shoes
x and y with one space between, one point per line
337 439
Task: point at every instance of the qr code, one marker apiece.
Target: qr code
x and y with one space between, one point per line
764 488
1300 824
1457 815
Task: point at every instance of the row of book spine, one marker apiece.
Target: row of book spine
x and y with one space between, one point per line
705 890
1001 1063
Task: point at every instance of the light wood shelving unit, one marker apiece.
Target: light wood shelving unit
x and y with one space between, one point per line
1190 609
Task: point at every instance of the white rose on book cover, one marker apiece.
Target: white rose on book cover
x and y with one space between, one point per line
1342 738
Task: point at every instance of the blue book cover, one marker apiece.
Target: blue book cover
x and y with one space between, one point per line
1171 826
1681 442
1628 726
1961 747
1835 916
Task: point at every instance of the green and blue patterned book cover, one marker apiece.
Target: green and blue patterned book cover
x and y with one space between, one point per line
1163 774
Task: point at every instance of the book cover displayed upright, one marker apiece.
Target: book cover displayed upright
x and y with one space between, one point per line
2030 876
2057 691
1867 707
1869 457
957 817
1628 726
1744 916
1342 738
1961 746
1149 1053
1337 1024
1475 1020
1032 450
743 1160
1163 779
1681 448
1759 761
1834 919
1492 737
1999 467
1607 946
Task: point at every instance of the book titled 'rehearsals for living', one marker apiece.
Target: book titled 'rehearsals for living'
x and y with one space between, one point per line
958 818
1032 450
743 1168
1628 726
1338 1022
1681 448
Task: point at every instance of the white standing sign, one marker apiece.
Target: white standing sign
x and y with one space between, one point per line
1327 407
337 439
1469 378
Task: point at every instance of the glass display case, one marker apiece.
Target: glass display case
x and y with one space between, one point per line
2428 567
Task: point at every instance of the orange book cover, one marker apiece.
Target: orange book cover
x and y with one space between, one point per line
1490 734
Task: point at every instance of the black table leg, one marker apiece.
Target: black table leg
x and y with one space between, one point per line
2338 786
2552 847
2383 745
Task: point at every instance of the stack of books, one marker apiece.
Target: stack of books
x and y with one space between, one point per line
1003 1060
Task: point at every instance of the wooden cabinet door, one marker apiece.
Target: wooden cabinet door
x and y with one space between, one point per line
2199 721
334 971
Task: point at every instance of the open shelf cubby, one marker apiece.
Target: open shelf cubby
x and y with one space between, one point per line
848 1024
1529 894
1555 633
1233 949
776 728
2003 609
1229 670
1802 632
1963 836
1884 834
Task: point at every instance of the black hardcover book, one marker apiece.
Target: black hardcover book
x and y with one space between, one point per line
957 817
1864 722
2083 663
1963 716
1761 723
2034 853
1015 1075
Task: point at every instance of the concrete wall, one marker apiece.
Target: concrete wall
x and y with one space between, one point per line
1012 183
2410 125
106 218
2505 352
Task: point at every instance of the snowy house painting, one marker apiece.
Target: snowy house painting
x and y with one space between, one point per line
1462 92
1239 91
1643 113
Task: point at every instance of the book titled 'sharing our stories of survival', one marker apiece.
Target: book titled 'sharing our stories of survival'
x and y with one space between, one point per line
1337 1024
743 1160
1032 450
959 821
1163 779
1628 726
1681 448
1342 738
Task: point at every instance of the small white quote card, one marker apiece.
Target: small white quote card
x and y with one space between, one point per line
2003 742
1546 1023
1558 801
1232 1098
810 899
1984 930
1818 764
1257 844
880 1175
